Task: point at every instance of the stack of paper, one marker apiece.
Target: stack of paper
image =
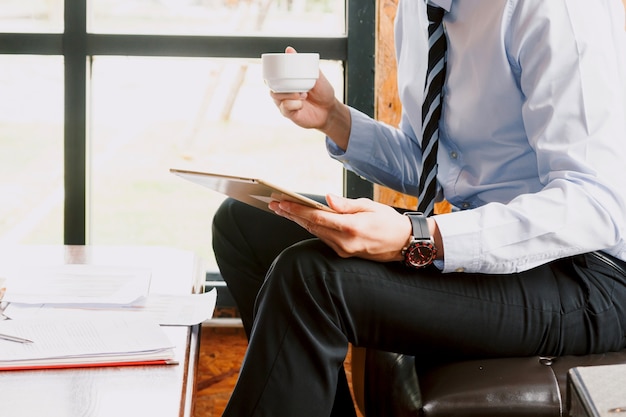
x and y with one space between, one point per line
168 310
78 284
62 292
80 343
90 315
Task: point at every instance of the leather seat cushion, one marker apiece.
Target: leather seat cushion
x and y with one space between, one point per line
531 386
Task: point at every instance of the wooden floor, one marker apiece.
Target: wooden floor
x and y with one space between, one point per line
221 353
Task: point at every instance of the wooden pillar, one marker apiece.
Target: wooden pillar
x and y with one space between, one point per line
388 107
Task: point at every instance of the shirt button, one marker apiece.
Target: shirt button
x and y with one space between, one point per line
454 155
460 269
466 205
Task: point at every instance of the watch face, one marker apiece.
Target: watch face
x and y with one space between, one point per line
420 254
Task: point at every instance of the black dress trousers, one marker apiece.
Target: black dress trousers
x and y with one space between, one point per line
302 304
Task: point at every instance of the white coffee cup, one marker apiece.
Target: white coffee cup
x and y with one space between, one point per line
290 73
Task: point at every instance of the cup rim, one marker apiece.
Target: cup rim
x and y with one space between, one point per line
286 54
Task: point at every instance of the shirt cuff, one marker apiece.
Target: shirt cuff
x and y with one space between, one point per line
359 143
460 238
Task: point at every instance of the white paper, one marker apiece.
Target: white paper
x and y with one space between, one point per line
82 341
179 310
78 284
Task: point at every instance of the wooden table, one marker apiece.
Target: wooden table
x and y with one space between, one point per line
155 391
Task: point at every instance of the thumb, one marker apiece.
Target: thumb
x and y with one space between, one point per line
290 50
346 205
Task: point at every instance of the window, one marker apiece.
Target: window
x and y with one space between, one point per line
313 18
150 114
31 16
31 138
101 98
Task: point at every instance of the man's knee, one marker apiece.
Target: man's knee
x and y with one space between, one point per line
303 283
307 255
301 266
232 221
226 214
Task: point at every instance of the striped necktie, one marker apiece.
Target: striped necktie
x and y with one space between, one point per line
431 109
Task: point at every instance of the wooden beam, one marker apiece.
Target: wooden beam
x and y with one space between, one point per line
388 108
387 104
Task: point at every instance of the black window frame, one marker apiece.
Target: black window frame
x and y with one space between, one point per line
78 47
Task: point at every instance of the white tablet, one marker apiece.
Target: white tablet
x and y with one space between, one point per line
252 191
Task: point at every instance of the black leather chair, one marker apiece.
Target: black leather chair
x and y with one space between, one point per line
388 384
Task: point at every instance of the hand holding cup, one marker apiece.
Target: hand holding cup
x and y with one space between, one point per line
290 72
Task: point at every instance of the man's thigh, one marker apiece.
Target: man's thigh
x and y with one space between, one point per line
390 307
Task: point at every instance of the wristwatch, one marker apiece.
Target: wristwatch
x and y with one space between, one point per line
421 250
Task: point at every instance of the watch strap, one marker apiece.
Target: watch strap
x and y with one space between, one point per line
421 250
419 224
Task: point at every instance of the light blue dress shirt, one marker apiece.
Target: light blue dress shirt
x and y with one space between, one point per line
532 151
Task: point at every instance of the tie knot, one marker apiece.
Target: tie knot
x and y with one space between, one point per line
435 14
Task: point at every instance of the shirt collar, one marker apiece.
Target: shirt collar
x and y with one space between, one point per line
444 4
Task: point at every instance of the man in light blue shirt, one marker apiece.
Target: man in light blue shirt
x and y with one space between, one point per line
531 261
540 133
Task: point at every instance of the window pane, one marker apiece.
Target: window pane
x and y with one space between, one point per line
219 17
31 138
31 16
152 114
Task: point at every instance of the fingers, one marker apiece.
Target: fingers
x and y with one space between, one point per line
287 96
349 205
287 107
279 97
311 219
289 103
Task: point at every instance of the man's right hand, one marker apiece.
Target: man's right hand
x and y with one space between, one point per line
316 109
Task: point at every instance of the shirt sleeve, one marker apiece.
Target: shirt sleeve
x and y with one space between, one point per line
572 77
381 153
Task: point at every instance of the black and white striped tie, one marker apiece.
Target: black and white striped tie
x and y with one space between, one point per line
431 109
